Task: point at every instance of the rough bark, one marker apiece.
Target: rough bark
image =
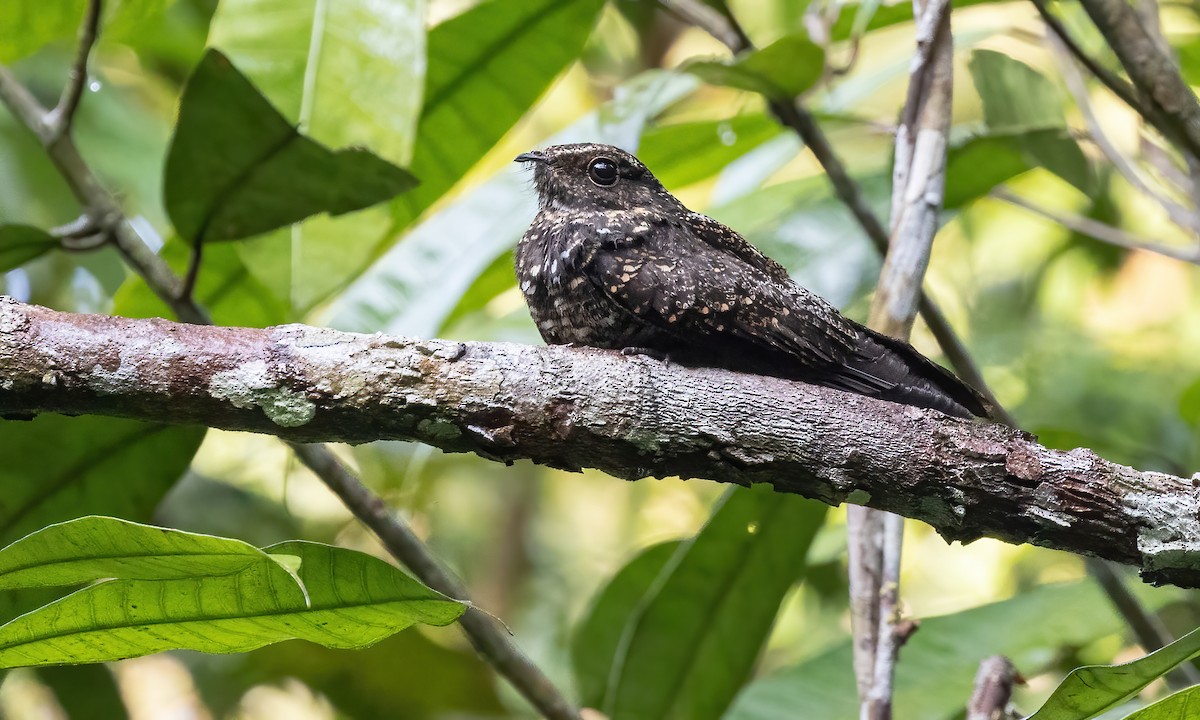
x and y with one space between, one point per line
632 417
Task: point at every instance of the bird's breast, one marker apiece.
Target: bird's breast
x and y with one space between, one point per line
552 271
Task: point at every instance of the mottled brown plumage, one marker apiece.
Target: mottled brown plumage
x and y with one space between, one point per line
613 260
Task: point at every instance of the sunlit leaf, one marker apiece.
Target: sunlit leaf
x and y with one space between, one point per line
96 547
781 70
1183 705
299 54
237 168
339 598
21 243
693 637
1089 691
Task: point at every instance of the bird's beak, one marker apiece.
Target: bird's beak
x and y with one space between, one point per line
533 156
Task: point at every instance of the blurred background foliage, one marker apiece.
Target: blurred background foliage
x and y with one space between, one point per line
1088 344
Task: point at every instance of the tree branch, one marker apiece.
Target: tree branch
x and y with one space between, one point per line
1098 230
1152 71
59 119
631 417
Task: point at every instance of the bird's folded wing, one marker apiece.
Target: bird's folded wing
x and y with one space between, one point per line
671 278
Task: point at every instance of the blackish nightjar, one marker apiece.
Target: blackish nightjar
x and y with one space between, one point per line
613 260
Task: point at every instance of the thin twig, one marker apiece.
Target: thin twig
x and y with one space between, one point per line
508 660
59 119
1098 230
1175 111
402 542
993 689
1179 214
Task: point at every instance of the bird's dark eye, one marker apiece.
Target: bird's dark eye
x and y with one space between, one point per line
603 171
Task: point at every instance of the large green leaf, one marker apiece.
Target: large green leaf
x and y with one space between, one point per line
338 598
780 71
940 660
1183 705
57 468
303 54
237 168
692 639
26 26
1089 691
415 285
1021 102
299 53
96 547
597 639
485 68
21 243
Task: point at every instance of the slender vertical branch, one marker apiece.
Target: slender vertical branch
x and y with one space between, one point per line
102 210
918 182
60 118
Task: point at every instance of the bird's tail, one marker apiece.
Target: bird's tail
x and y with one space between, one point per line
906 376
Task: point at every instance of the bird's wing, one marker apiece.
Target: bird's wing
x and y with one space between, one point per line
699 288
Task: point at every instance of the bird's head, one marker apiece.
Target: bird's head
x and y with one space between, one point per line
589 177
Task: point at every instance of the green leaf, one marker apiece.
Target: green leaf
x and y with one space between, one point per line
96 547
781 70
686 153
1019 101
486 67
1088 691
344 599
237 168
596 640
21 243
57 468
299 54
27 26
1183 705
692 640
429 679
941 659
975 167
414 287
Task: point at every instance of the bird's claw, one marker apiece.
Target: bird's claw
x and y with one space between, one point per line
658 355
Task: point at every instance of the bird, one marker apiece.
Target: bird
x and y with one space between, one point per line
613 260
